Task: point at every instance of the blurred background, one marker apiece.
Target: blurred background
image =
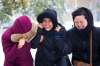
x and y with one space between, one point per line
11 9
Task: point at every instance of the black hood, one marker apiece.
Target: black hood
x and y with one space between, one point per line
48 13
89 17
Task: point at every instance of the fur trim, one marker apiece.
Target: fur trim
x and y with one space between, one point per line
28 35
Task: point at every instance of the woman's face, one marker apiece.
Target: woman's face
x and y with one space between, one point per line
80 22
47 24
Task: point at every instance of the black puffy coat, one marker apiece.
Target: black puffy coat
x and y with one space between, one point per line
81 46
53 50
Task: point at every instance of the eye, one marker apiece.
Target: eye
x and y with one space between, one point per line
76 22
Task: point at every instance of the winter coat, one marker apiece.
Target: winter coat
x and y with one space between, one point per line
53 50
81 46
15 56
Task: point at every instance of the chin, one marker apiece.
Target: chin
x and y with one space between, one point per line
47 29
81 28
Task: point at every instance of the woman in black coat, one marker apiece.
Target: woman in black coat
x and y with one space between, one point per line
52 49
85 39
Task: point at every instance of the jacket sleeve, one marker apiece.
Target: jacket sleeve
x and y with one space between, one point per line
36 41
8 48
61 42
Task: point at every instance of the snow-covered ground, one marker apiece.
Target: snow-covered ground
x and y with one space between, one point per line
67 25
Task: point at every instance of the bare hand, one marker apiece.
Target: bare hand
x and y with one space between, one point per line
40 26
58 28
41 40
21 43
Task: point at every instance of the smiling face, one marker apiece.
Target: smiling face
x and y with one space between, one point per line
47 24
80 22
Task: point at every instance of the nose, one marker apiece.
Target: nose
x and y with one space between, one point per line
46 24
79 23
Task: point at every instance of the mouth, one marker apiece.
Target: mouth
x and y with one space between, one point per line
80 27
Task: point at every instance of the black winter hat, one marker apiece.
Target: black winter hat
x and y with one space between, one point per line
48 13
